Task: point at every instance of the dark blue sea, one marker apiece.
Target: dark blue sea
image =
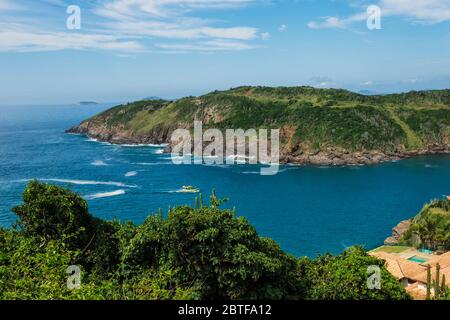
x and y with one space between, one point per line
308 210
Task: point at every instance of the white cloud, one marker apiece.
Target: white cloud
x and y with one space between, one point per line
321 82
25 40
328 22
412 81
425 11
168 19
28 42
431 11
127 25
7 5
282 28
164 8
367 83
179 30
265 36
206 46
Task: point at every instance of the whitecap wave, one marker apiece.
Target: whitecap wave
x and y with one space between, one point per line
99 163
129 145
151 163
143 145
98 141
131 174
162 145
178 191
82 182
105 194
251 172
239 159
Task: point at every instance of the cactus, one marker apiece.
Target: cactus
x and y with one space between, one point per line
213 199
428 282
443 286
160 213
436 282
200 198
196 203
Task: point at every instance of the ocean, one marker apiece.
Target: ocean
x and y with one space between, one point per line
308 210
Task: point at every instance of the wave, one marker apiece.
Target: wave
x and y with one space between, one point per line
105 194
238 159
128 145
216 165
131 174
175 156
159 151
251 172
138 145
98 141
174 191
143 145
82 182
151 163
162 145
99 163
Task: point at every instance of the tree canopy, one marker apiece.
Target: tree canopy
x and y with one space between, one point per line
190 253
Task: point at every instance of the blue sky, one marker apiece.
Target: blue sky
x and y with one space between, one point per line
130 49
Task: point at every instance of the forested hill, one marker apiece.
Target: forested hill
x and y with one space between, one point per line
321 126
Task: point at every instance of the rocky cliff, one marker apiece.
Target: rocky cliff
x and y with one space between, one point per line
317 126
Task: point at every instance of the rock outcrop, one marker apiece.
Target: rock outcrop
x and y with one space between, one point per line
397 232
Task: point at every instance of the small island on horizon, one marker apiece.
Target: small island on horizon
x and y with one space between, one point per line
88 103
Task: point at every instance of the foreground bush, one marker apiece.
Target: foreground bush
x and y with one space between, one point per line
344 277
194 253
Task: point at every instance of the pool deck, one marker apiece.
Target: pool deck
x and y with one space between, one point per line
405 252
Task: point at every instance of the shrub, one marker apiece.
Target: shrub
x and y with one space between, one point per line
195 253
344 277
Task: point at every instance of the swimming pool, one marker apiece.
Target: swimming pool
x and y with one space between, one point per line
418 259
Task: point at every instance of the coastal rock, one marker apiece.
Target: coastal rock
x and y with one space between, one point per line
118 135
294 154
311 131
397 232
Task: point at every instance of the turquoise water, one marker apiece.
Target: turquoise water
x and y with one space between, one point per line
418 259
308 210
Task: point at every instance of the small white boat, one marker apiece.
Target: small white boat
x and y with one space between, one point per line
189 189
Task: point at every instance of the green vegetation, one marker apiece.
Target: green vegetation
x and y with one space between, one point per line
194 253
318 119
431 227
344 277
392 249
441 290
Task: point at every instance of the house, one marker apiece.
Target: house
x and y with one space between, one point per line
414 275
402 269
